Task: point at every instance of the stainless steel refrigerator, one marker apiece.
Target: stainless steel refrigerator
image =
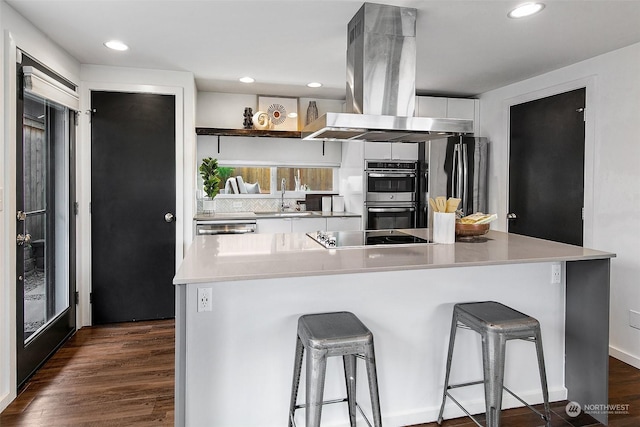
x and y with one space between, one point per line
453 167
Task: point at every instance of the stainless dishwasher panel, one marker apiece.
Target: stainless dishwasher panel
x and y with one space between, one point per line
215 227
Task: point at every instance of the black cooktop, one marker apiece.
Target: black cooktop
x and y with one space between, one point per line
351 239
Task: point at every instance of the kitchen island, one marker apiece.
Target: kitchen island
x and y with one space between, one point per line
234 363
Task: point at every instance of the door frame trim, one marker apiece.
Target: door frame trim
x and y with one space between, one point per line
83 154
590 86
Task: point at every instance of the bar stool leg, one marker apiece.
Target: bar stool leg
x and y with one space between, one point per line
493 349
372 376
316 370
543 376
297 368
350 379
452 339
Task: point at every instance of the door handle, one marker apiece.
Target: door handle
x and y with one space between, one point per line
169 217
21 239
512 216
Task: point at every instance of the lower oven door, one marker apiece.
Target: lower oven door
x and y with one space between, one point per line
390 217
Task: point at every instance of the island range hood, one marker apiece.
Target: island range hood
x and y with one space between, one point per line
381 71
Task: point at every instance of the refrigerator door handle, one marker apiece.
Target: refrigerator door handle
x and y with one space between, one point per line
458 172
465 179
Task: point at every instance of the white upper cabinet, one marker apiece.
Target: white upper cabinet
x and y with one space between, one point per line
450 108
431 106
390 151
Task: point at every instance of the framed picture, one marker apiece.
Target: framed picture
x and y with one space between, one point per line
282 112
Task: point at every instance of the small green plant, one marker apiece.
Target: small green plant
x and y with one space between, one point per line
210 176
224 173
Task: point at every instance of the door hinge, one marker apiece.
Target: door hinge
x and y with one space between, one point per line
76 208
90 297
582 213
77 297
584 114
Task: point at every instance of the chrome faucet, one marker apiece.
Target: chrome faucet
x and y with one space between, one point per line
282 188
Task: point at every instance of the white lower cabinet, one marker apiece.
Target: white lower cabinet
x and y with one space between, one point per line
344 223
274 225
307 225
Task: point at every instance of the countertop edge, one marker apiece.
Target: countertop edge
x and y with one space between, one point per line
191 274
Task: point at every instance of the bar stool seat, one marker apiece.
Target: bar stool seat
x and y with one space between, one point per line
325 335
497 324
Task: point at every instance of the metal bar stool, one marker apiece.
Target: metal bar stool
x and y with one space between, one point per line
333 334
497 324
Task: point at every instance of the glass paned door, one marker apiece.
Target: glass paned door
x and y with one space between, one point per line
45 306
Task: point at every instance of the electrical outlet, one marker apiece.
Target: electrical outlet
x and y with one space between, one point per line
556 273
204 299
634 319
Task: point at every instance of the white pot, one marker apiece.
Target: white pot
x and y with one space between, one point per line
208 205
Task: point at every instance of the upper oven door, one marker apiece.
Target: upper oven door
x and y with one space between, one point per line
390 186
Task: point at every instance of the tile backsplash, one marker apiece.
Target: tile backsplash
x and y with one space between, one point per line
238 204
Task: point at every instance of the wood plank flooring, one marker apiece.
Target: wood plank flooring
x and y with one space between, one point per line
114 375
123 375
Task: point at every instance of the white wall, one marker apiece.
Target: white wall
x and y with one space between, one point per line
16 32
612 169
180 84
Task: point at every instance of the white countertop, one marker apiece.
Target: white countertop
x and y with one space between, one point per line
262 256
266 215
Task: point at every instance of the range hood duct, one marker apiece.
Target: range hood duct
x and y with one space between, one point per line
381 72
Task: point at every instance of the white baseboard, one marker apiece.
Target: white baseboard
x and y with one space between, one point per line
625 357
476 406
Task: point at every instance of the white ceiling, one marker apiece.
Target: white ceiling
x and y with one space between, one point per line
464 47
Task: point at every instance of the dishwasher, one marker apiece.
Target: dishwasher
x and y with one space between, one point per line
225 226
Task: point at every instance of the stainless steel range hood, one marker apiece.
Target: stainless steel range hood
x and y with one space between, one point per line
381 69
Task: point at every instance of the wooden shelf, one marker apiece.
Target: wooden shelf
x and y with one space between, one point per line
248 132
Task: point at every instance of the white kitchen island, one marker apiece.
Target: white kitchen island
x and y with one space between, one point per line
234 363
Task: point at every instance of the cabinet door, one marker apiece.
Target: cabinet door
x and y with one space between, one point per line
377 150
307 225
344 223
274 225
431 106
407 151
458 108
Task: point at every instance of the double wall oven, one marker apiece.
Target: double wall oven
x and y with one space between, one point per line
390 194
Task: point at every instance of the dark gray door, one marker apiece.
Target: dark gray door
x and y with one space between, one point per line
133 198
546 167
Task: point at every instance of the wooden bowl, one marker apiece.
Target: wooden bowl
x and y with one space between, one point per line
470 230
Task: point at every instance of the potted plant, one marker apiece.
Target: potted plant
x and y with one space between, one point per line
211 180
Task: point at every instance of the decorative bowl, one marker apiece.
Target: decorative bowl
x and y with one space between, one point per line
470 230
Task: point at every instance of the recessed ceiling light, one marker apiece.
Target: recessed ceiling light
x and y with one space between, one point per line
314 84
526 9
247 79
116 45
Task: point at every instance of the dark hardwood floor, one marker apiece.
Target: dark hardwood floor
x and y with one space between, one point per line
122 375
113 375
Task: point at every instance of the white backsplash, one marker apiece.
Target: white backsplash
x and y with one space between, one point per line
238 204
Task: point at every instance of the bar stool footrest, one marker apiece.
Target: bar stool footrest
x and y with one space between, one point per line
540 414
329 402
